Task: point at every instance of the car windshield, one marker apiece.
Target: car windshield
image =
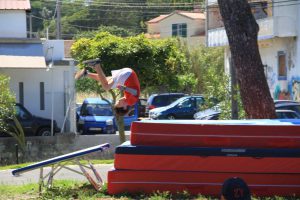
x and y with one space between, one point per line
287 115
165 100
177 101
22 112
96 110
295 108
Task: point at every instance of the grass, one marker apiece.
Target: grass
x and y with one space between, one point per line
68 162
67 189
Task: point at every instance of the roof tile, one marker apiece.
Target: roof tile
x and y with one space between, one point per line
15 5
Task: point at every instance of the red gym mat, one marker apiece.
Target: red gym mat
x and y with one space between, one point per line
205 183
208 164
244 134
208 159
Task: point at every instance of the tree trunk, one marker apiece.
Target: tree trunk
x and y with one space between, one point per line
242 31
120 124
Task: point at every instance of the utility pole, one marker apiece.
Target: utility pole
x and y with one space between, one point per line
30 25
58 19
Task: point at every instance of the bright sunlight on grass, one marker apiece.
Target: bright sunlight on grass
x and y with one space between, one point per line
83 162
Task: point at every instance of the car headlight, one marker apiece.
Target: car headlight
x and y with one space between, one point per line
80 121
109 122
155 114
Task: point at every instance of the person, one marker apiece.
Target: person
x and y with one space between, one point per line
235 189
124 79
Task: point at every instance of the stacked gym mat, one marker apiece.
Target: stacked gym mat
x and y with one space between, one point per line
198 156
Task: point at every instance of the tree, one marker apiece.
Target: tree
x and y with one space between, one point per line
8 122
242 30
159 64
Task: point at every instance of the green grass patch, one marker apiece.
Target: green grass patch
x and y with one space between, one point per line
67 189
68 163
28 191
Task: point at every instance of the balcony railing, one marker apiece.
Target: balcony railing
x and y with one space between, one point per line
279 26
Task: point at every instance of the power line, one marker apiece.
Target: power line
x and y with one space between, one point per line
125 3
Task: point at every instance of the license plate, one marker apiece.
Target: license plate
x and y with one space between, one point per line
95 129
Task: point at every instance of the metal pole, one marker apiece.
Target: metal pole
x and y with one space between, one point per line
30 26
17 153
58 20
52 102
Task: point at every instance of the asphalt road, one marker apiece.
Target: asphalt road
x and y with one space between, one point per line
6 177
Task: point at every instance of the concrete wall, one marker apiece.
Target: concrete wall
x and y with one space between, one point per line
41 148
13 24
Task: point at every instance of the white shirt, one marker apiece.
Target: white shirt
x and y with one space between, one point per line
120 76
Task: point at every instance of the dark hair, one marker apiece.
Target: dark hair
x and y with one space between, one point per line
121 111
236 189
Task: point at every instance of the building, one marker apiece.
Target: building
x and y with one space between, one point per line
278 41
190 26
40 75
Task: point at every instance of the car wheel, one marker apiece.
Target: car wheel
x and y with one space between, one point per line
44 132
171 117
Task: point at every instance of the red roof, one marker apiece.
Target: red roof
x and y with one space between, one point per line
15 5
157 19
191 15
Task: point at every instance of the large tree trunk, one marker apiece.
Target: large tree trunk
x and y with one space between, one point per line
242 31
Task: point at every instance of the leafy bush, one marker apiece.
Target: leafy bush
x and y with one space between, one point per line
7 103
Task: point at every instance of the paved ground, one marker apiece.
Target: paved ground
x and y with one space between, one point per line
7 178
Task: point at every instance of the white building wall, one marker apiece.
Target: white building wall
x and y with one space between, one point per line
54 49
279 89
13 24
285 18
32 89
193 26
153 28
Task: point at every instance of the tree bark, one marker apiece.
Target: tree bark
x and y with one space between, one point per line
242 31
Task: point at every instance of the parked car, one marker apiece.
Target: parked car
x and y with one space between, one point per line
160 100
142 107
183 108
285 109
95 116
33 125
208 114
287 114
287 105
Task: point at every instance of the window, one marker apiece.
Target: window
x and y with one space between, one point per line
199 102
42 96
179 30
21 93
186 104
259 9
282 72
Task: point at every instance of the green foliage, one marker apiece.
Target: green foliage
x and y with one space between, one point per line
7 103
8 122
86 85
68 189
79 16
114 30
160 65
208 67
15 129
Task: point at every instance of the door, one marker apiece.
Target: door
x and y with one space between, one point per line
186 109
